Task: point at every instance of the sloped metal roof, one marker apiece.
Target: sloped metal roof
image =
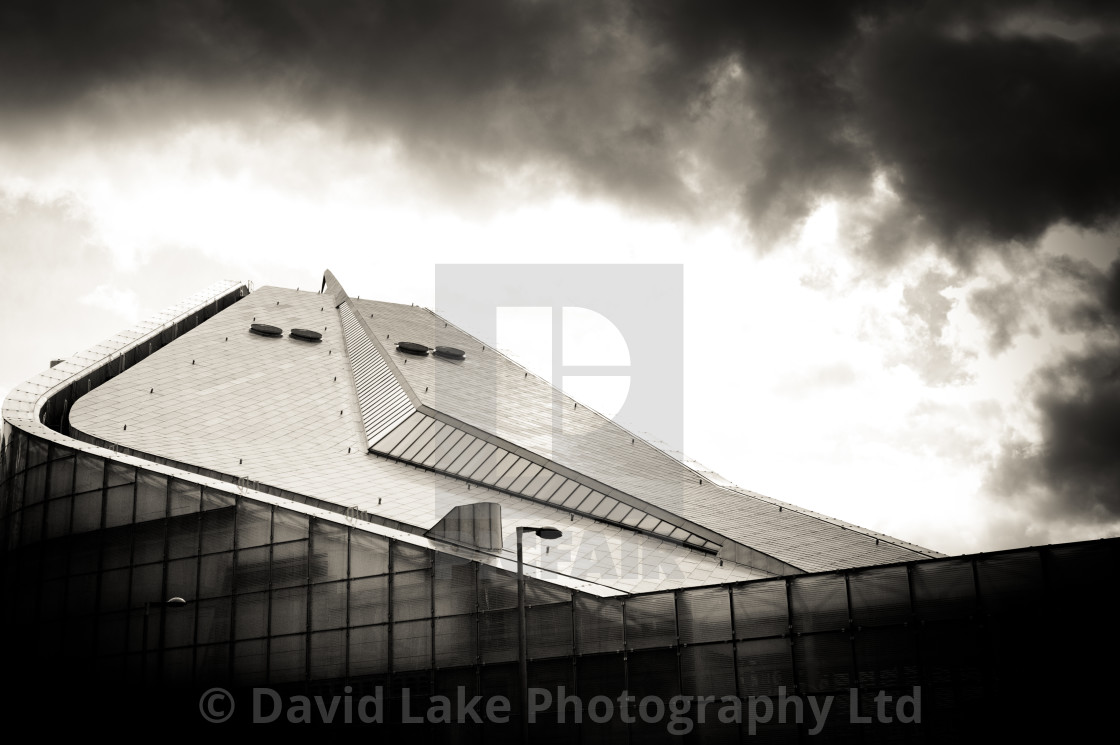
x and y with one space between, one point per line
490 392
283 412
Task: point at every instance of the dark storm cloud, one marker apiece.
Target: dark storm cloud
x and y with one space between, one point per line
1074 475
991 121
985 131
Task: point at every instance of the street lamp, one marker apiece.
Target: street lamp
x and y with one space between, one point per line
548 534
175 602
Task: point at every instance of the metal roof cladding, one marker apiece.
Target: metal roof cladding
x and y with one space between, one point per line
306 335
265 330
412 347
450 353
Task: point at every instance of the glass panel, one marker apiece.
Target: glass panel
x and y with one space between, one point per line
114 590
289 611
497 636
369 650
289 564
650 621
253 523
824 662
120 473
328 551
407 557
181 578
213 499
35 483
412 645
58 516
252 615
369 554
252 569
434 432
185 497
576 497
85 554
328 606
250 661
525 478
634 517
151 496
477 461
515 470
760 609
287 659
589 504
432 444
216 575
453 438
1009 583
543 476
328 655
454 585
90 473
704 615
117 551
178 625
455 641
31 528
62 477
422 426
212 663
217 530
601 509
118 505
708 670
598 624
497 589
620 511
819 603
764 665
549 630
214 620
549 488
87 512
880 596
412 596
289 526
36 451
147 584
465 456
390 441
369 600
457 451
182 536
147 542
497 466
944 589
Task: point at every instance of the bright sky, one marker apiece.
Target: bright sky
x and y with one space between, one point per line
904 392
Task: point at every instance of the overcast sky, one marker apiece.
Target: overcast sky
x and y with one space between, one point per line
898 221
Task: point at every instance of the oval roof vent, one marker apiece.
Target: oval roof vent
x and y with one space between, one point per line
450 353
265 330
306 335
412 347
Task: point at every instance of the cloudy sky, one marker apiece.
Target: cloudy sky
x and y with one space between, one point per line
897 221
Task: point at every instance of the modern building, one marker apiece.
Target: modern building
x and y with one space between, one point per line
323 496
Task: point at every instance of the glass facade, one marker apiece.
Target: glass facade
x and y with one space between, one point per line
91 548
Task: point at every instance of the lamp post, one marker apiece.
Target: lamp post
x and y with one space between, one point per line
549 534
175 602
